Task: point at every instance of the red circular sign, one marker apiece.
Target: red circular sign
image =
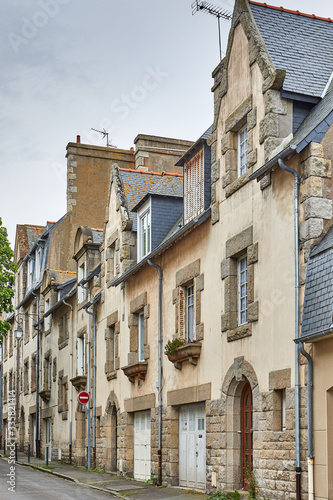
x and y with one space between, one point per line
83 397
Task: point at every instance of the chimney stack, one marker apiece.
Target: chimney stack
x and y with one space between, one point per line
78 139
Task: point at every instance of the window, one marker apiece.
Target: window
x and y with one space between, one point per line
62 392
5 388
283 409
47 371
80 356
63 328
111 344
33 372
189 313
81 292
47 320
26 376
194 186
38 263
26 327
242 151
144 231
10 382
29 273
141 337
242 291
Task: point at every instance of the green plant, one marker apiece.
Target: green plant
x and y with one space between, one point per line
152 480
224 496
100 471
172 345
252 481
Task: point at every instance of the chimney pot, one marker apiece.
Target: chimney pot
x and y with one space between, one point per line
132 149
78 139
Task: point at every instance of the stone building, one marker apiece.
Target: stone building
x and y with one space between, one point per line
185 295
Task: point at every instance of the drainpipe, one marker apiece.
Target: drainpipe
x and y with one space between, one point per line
310 421
37 383
1 374
297 408
88 379
160 339
94 384
70 378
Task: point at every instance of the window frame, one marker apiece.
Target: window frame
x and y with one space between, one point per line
143 214
141 336
189 327
240 295
81 291
194 186
47 319
242 168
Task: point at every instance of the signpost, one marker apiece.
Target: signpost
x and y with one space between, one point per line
83 398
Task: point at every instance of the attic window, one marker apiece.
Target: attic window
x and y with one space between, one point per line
242 151
194 186
144 231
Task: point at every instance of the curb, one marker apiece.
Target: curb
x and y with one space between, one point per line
70 478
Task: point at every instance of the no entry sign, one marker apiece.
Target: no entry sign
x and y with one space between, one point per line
83 397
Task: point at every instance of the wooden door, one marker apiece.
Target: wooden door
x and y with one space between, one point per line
246 434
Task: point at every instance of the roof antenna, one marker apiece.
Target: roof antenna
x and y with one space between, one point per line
214 11
105 133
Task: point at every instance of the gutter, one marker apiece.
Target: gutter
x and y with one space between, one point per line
164 245
321 334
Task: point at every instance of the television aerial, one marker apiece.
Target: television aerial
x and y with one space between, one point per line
218 12
105 133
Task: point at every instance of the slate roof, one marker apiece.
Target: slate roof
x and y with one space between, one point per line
195 147
137 184
299 43
62 277
318 300
27 235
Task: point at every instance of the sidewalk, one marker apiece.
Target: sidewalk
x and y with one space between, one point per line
110 483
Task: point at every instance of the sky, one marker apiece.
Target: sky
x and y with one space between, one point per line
128 66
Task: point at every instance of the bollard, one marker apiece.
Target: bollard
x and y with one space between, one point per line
47 455
28 453
15 452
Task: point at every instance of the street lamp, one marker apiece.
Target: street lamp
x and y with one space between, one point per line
18 333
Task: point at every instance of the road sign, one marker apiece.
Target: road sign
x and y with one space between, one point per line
83 397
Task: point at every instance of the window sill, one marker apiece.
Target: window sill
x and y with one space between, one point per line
111 375
239 333
45 395
63 407
188 352
138 369
63 344
79 382
81 304
238 183
47 332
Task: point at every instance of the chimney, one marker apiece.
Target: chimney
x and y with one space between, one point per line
78 139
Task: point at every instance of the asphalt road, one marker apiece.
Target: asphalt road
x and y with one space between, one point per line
32 484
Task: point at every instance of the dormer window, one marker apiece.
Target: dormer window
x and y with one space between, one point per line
29 272
194 202
144 230
242 151
81 292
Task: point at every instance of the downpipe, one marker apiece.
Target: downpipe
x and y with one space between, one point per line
70 378
160 341
38 454
296 264
94 386
310 421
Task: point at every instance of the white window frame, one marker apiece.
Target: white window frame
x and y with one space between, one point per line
242 150
189 313
81 274
141 337
30 270
38 263
242 285
144 214
47 320
80 356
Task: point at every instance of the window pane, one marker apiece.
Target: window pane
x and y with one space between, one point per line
141 338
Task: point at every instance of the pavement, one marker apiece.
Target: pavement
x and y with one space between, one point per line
118 486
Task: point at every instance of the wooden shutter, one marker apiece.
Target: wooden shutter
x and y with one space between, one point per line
194 186
181 312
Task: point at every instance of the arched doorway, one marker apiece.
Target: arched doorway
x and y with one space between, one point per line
113 439
246 434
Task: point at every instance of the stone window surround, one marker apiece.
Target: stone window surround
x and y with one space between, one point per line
4 391
81 334
63 335
33 371
11 384
186 276
137 305
111 253
110 368
26 375
62 394
279 381
243 115
26 321
238 245
46 372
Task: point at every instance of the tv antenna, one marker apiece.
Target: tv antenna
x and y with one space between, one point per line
214 11
105 133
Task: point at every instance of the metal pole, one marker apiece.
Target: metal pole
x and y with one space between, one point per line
47 455
28 453
88 420
94 385
37 383
70 378
220 42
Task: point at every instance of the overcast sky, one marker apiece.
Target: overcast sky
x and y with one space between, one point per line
69 65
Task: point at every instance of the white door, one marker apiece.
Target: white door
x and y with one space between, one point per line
142 445
192 446
48 437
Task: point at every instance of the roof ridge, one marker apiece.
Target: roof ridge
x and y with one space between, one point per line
161 174
289 11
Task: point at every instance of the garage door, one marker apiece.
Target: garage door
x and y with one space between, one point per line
192 446
142 445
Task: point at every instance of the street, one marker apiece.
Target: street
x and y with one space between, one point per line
36 485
